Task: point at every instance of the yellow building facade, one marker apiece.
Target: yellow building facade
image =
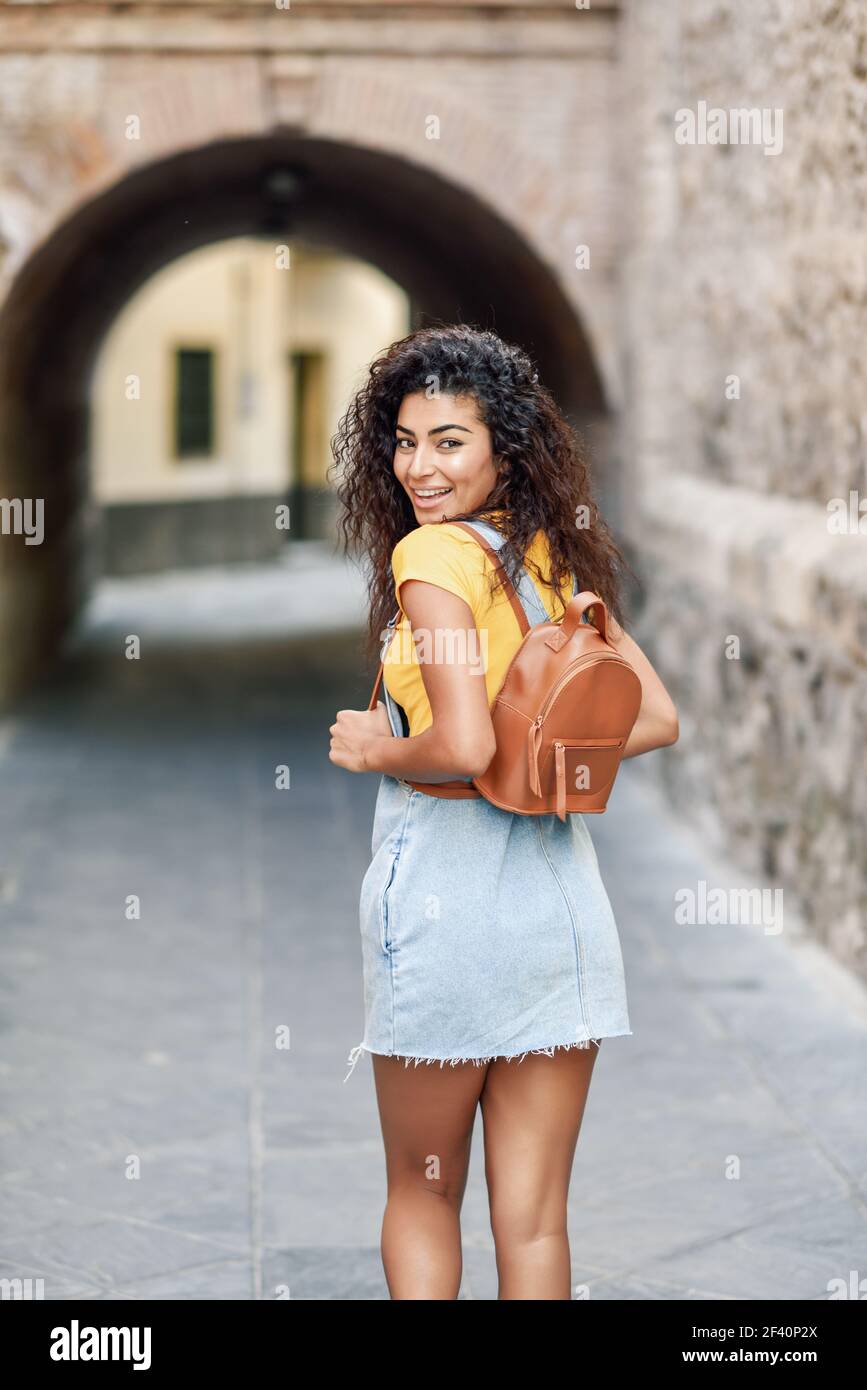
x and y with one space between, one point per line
215 395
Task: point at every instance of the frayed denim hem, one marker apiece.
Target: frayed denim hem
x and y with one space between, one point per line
476 1061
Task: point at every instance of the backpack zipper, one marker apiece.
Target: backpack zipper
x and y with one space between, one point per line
566 676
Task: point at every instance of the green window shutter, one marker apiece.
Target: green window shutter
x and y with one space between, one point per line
194 402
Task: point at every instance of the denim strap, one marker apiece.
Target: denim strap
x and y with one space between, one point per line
391 705
527 592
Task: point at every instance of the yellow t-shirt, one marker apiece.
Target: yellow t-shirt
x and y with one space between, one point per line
442 554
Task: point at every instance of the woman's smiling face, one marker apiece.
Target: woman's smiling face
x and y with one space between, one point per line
442 455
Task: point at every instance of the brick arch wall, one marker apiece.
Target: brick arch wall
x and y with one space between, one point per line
181 103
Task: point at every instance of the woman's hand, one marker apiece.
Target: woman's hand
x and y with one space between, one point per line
353 733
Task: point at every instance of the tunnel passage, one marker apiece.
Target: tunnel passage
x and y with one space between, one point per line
453 256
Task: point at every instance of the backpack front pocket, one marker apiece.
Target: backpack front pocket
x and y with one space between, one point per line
580 767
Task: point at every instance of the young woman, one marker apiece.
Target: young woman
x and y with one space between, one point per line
488 939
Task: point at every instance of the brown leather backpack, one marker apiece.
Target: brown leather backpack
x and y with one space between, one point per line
563 713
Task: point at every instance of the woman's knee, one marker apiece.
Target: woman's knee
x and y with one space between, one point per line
527 1213
442 1178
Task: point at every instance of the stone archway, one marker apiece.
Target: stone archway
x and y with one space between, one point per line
275 156
151 112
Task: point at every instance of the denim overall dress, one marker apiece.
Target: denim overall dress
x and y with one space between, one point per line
485 934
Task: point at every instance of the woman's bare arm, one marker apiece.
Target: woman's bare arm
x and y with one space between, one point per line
657 723
460 742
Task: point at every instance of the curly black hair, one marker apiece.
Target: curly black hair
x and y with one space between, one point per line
543 477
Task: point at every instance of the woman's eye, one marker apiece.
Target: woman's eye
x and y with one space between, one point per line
450 441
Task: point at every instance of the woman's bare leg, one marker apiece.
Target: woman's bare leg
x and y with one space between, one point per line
426 1113
532 1111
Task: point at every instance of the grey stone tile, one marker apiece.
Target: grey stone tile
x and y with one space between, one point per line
37 1286
347 1273
793 1255
352 1274
106 1253
330 1198
230 1280
621 1289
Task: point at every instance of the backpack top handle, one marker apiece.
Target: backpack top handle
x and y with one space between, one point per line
584 603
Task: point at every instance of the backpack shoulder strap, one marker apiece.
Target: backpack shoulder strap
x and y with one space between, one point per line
391 705
526 602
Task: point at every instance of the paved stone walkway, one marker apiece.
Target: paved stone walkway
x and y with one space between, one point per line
146 1045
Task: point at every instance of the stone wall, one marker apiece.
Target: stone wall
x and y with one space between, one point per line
752 266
